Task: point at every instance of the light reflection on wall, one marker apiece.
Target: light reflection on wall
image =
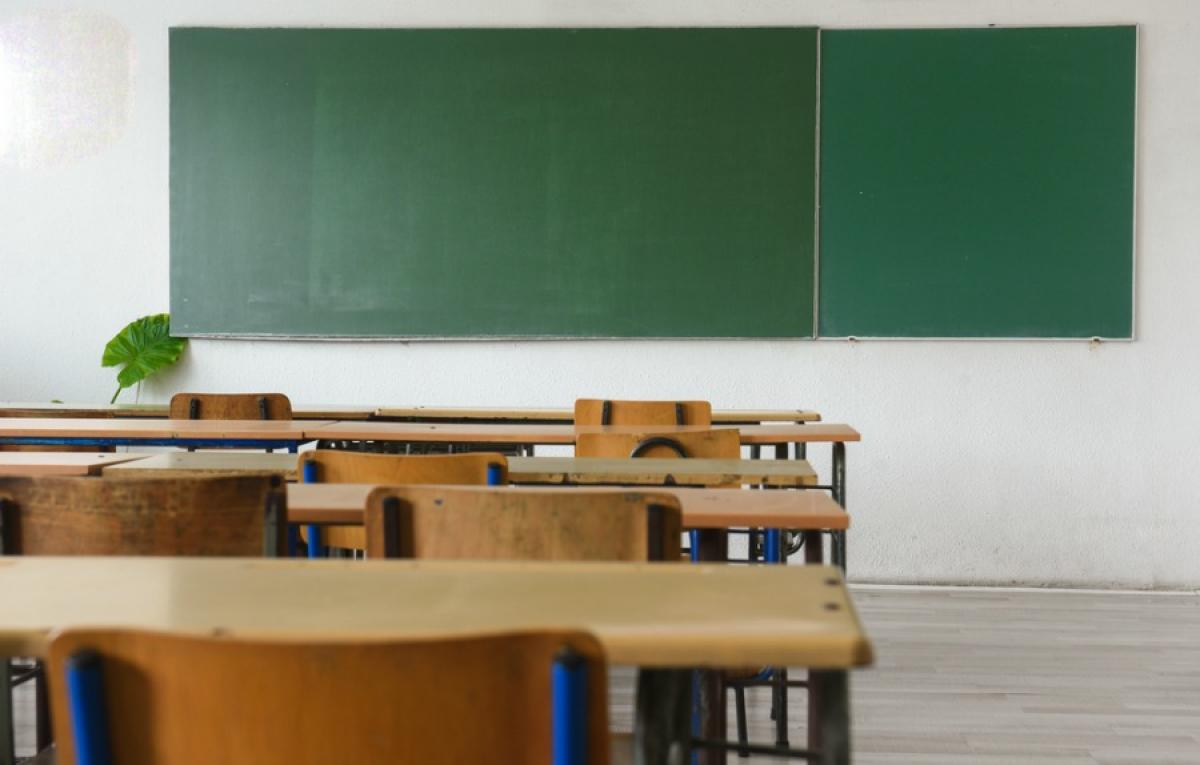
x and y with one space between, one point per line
65 85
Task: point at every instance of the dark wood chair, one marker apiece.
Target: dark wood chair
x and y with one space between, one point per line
230 406
188 700
595 411
724 443
440 522
227 515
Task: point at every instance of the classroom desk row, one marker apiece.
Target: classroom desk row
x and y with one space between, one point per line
462 415
521 470
708 510
278 433
654 616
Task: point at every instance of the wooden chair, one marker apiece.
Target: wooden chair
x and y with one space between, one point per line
594 411
228 516
336 466
230 406
439 522
713 444
189 700
53 515
702 444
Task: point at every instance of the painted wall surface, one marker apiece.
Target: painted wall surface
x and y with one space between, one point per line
982 462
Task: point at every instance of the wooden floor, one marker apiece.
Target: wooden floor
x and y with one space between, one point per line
1005 676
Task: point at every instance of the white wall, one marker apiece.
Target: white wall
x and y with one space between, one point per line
988 462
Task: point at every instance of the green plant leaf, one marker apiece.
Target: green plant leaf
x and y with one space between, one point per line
143 347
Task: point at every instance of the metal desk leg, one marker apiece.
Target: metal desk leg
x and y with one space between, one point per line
711 545
838 538
813 554
662 717
41 689
829 727
711 720
839 473
7 740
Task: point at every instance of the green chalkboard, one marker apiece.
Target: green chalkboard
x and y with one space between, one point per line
493 182
977 182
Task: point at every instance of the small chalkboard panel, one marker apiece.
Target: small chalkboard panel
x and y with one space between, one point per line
977 182
493 182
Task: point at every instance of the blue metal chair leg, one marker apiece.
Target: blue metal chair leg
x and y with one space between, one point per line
89 717
569 708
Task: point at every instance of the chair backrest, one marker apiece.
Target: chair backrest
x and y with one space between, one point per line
230 406
188 700
515 524
228 515
724 443
335 466
595 411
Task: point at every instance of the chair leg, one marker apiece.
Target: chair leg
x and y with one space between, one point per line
8 744
779 691
41 689
739 699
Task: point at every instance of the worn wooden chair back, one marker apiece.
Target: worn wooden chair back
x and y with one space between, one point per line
230 515
470 469
515 524
230 406
333 466
724 443
197 700
595 411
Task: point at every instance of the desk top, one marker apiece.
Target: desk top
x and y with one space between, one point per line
480 414
59 463
82 427
160 411
343 503
192 464
548 470
652 472
560 434
48 409
477 414
665 614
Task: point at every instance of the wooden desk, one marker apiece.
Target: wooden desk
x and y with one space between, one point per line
564 415
59 463
160 411
563 435
655 615
545 470
464 415
343 504
655 472
661 617
153 432
192 464
46 409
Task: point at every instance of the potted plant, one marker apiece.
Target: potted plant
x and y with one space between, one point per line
142 348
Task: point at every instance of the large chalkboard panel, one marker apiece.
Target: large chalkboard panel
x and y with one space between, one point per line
977 182
493 182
